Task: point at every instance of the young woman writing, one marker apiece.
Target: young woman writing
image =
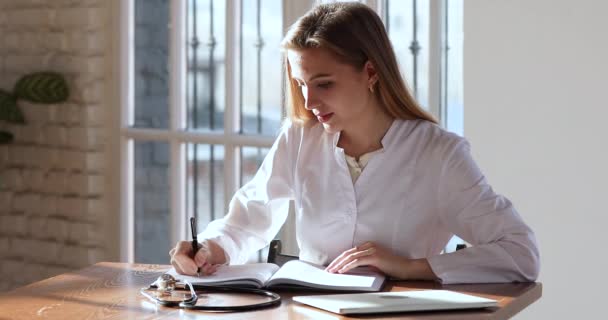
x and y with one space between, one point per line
375 180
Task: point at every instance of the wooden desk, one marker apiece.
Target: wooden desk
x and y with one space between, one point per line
111 291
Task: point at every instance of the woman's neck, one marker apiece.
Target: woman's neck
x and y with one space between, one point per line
365 136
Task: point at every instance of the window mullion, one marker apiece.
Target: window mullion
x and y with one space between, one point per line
292 10
127 216
184 136
233 96
375 4
382 7
177 107
435 51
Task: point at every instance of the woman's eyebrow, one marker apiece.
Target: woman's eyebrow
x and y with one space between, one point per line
319 75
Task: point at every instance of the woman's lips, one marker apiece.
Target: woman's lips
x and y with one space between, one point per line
325 117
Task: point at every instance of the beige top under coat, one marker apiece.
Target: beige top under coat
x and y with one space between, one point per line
356 166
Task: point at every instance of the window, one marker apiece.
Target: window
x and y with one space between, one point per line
427 38
200 107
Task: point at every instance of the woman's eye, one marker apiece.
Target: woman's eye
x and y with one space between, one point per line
324 85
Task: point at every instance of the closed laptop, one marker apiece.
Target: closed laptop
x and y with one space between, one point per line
378 302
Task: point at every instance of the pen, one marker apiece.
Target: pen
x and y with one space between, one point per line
194 242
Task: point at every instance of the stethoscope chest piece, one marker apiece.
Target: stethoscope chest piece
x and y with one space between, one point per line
165 284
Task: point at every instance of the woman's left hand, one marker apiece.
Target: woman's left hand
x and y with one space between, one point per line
371 254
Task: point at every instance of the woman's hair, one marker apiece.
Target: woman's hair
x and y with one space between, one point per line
354 34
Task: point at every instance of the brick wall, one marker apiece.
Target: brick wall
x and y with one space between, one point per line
52 178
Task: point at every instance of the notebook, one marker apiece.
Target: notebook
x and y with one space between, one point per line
293 274
378 302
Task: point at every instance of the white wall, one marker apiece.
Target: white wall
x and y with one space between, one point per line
536 113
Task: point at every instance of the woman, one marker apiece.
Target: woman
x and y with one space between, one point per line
375 181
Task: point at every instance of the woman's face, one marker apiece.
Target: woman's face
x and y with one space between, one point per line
336 93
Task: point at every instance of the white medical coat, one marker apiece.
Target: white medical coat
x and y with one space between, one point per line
412 197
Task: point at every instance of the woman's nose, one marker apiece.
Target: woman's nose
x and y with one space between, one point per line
311 100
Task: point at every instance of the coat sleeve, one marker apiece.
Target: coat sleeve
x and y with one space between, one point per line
259 208
503 247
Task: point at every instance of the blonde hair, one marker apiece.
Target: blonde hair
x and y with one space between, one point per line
354 34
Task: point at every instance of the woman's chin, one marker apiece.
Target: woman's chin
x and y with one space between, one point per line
330 129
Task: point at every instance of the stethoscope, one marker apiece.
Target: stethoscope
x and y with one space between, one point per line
163 289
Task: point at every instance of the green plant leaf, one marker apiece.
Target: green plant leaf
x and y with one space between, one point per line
6 96
9 111
42 87
5 137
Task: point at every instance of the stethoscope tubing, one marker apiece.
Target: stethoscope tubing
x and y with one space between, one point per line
190 304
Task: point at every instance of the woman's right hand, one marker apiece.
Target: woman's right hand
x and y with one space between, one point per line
208 258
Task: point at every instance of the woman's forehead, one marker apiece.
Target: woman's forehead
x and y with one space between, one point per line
307 64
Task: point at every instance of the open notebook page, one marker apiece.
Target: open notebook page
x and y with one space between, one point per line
302 273
233 275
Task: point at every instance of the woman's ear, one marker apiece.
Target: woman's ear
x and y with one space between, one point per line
370 71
